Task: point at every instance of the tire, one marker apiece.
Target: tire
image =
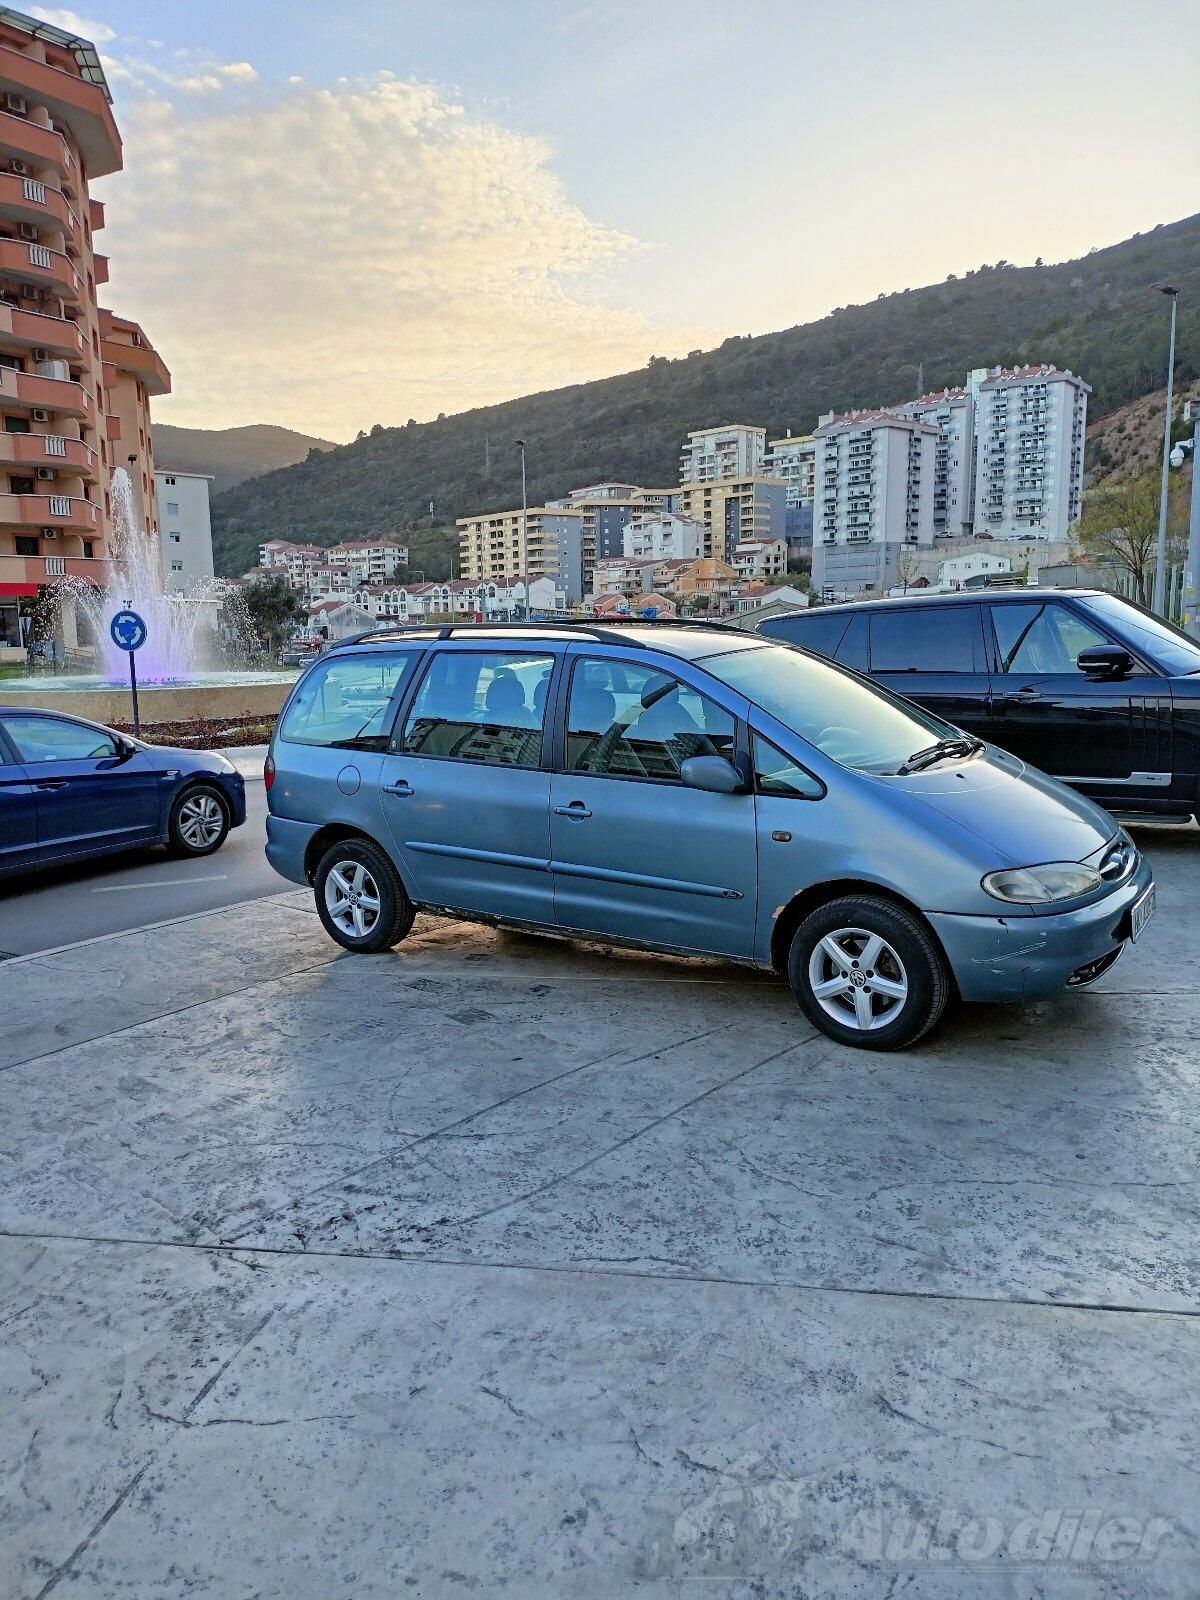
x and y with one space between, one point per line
199 821
901 997
364 870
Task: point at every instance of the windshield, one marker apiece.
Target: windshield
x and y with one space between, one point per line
852 722
1168 645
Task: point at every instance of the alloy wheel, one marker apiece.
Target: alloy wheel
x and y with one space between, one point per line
352 898
200 821
858 979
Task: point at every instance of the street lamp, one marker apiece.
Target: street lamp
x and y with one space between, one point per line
1160 564
1191 577
524 533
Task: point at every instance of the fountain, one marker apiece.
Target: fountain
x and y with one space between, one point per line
186 668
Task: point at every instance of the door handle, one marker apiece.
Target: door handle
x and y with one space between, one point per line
402 787
1018 697
577 810
50 783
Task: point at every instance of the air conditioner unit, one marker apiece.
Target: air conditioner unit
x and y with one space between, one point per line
49 533
16 103
40 414
28 231
46 472
41 355
19 167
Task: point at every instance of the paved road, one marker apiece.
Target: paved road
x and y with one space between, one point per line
501 1264
48 909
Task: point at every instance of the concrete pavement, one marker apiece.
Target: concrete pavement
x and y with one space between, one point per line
497 1264
42 910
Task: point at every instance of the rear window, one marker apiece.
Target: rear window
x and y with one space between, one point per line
924 639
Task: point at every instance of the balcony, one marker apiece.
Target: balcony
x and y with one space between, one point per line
125 346
34 330
50 511
30 390
25 575
81 106
49 269
71 457
39 204
29 141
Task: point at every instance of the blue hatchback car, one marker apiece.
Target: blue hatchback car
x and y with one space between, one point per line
71 789
697 790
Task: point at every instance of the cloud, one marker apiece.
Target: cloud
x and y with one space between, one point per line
72 22
335 257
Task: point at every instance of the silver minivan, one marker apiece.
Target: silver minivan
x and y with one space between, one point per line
696 790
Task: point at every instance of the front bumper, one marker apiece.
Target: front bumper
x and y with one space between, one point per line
1011 957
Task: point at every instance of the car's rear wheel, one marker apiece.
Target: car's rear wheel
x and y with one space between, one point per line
360 898
199 821
868 973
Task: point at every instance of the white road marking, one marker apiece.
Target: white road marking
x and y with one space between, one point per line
162 883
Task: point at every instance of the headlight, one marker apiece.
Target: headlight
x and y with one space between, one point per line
1034 886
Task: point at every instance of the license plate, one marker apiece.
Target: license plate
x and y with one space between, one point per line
1141 914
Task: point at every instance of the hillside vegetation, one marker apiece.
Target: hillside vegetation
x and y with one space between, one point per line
231 455
1096 315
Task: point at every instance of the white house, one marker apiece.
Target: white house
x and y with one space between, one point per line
757 559
665 537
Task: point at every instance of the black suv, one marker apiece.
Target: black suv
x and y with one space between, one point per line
1086 686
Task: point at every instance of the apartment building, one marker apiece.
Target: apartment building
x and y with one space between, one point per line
735 509
295 562
545 542
369 560
874 496
184 528
757 559
794 460
75 381
663 537
607 509
952 413
1029 430
711 455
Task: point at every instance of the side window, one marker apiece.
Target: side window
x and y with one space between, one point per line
852 652
343 702
629 721
777 774
48 739
820 634
477 706
1034 638
929 639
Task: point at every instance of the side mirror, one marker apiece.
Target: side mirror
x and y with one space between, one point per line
1105 661
713 774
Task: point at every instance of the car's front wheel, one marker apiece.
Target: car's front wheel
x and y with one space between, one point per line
360 898
868 973
199 821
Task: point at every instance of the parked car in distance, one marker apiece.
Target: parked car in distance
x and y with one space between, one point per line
1089 687
697 790
70 789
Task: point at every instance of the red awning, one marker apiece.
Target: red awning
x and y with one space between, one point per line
9 589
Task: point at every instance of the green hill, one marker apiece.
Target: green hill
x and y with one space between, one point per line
232 455
1096 315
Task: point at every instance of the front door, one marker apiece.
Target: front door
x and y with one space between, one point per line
934 654
18 813
636 854
91 794
463 789
1089 731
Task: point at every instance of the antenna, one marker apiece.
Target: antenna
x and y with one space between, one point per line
920 380
487 456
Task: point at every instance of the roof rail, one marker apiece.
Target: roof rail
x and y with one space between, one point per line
595 630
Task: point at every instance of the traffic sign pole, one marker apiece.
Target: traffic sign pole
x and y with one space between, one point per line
137 721
128 632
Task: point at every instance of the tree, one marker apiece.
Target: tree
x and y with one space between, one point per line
275 610
1119 528
908 566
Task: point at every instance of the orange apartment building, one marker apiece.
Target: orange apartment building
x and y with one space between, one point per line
75 381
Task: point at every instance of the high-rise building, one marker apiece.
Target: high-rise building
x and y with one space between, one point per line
184 527
547 541
1029 431
75 381
734 509
794 459
952 413
735 450
874 497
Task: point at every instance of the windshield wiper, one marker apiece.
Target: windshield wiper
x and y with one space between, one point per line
962 745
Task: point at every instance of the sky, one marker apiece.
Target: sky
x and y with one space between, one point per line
337 215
